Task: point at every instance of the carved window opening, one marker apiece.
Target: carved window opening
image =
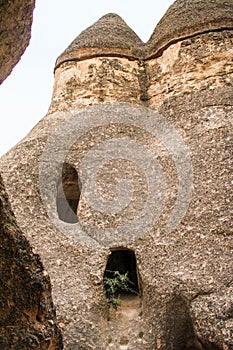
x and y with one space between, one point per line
122 262
68 194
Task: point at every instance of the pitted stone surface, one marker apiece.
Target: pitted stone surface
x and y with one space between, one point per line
97 80
27 315
110 36
15 32
186 275
189 18
188 66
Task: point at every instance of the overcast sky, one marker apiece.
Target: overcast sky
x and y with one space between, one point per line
25 95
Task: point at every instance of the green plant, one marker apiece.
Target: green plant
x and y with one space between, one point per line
115 285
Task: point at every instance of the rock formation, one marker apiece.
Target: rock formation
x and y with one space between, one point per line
27 314
183 276
15 33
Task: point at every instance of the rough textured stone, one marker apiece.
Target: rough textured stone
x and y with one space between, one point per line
97 80
27 315
189 66
15 32
110 36
206 131
185 276
185 19
103 64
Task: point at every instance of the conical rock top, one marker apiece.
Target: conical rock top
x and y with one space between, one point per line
109 36
186 18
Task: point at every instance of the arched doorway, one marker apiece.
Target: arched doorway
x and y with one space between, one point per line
121 275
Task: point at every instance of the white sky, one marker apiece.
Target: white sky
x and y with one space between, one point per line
25 95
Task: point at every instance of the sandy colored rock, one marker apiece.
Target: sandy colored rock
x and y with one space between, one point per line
184 275
188 66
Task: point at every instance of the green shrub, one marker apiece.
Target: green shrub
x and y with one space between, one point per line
115 285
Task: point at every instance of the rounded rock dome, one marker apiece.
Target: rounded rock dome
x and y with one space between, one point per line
186 18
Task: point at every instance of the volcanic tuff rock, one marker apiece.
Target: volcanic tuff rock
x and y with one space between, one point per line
15 32
186 19
110 36
185 277
27 315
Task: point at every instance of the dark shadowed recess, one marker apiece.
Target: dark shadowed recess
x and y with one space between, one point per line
124 261
68 194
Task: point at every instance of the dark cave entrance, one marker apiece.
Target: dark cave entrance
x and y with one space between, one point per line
68 194
121 274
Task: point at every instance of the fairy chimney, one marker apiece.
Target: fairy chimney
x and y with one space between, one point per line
101 65
179 296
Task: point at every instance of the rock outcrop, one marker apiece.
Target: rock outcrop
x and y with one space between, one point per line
185 19
184 275
108 51
27 315
16 20
110 36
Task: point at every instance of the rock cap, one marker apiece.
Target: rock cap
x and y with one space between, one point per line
186 18
109 36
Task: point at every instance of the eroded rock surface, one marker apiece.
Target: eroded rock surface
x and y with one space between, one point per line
27 314
15 32
184 275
